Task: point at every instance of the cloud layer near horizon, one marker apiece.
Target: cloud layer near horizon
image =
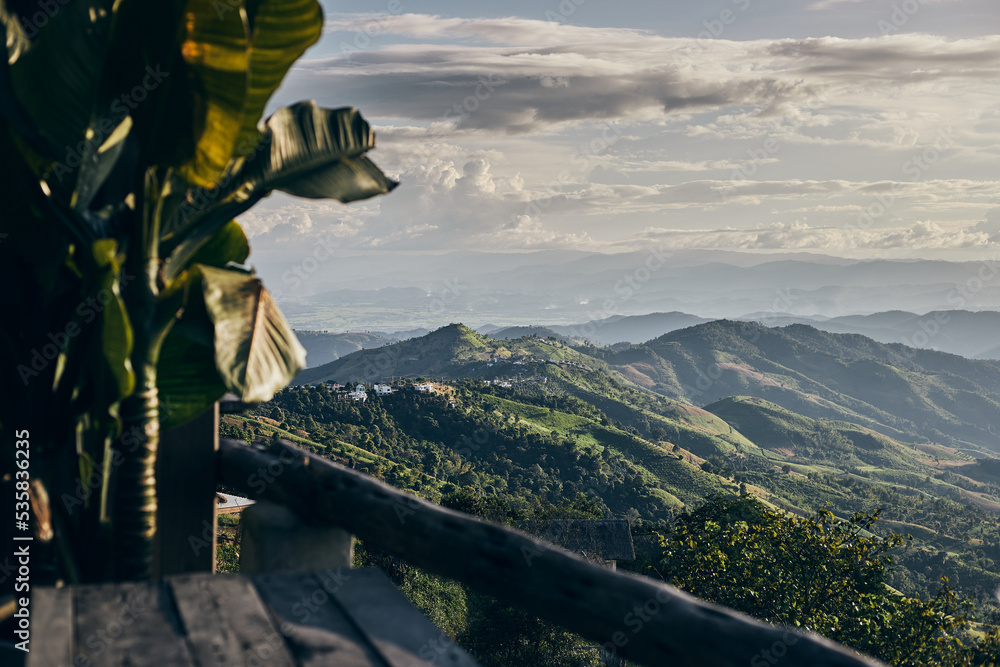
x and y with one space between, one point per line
522 134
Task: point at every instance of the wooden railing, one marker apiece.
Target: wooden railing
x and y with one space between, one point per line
630 616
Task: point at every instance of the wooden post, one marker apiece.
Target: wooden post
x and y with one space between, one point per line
185 489
279 540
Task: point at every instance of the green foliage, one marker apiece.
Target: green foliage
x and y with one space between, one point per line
499 635
119 202
586 443
227 554
819 573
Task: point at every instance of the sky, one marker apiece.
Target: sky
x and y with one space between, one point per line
856 128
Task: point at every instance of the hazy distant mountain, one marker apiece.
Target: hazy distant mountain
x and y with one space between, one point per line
971 334
403 297
322 347
633 329
409 333
555 288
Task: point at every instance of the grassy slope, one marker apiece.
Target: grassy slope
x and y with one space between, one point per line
683 481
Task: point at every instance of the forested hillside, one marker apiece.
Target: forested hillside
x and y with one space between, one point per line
528 429
572 433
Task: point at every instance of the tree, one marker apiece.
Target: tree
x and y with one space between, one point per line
820 573
131 139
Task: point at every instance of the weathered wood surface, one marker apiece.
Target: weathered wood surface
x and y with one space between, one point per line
225 622
400 632
317 632
347 618
634 617
124 625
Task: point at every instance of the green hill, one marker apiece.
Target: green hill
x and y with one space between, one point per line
800 438
454 351
446 352
905 393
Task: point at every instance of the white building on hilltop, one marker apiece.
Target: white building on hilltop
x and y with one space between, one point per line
383 389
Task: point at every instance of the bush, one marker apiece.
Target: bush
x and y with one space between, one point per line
819 573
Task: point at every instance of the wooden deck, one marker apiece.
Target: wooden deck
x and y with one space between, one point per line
349 618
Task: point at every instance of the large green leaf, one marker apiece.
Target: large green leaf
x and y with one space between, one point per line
76 127
116 330
164 110
15 40
16 43
239 63
97 163
256 352
316 153
185 373
306 151
56 78
215 46
282 31
228 245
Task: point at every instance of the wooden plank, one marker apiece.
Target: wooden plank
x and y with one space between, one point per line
316 630
397 629
226 623
128 625
52 627
185 489
587 599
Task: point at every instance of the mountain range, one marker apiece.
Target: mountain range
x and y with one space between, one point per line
904 392
800 417
972 334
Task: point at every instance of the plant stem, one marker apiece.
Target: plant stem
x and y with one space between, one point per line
134 508
135 491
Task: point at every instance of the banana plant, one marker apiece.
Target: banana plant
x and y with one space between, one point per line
132 137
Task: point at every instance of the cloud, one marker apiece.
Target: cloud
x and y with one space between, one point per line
516 75
823 5
508 30
990 226
515 134
799 236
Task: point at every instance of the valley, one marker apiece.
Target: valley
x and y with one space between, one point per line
802 419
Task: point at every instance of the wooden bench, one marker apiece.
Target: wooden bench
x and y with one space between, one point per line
349 618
